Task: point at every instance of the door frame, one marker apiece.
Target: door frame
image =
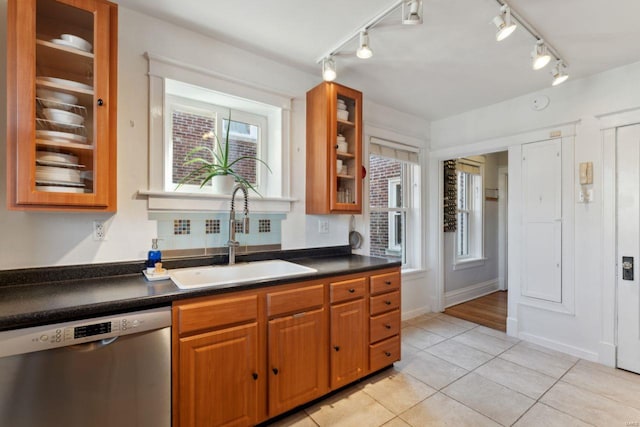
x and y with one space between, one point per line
609 323
503 225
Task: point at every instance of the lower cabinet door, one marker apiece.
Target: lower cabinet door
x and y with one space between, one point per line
218 379
348 342
297 366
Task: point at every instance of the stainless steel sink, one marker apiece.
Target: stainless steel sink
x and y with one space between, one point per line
221 275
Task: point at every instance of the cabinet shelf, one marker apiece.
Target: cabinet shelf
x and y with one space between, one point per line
344 155
71 146
346 123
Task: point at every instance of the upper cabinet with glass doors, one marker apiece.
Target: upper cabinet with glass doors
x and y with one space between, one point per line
61 105
334 150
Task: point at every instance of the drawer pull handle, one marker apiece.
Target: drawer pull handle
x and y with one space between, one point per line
336 347
386 353
387 282
388 302
387 326
255 376
351 290
275 371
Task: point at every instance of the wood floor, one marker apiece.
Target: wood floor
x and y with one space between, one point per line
489 310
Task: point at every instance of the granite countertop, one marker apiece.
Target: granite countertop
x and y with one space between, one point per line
33 297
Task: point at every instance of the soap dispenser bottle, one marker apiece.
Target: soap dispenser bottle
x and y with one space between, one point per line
154 256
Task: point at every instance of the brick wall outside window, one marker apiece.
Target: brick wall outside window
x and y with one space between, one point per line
381 170
188 130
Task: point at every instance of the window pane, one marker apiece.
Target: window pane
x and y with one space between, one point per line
243 141
387 234
384 172
189 130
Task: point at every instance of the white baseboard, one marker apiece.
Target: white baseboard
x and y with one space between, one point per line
607 354
556 345
470 292
406 315
512 327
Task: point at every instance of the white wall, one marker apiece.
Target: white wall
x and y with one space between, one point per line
501 125
31 239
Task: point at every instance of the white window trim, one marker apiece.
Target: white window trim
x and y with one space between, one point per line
161 68
476 258
414 261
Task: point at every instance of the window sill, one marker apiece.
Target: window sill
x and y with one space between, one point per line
163 201
468 263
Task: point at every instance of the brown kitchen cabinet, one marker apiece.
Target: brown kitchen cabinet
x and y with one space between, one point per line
61 104
348 331
334 111
244 357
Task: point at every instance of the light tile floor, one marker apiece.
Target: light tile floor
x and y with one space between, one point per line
456 373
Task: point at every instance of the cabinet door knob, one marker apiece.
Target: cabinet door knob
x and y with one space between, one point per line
100 102
388 302
336 347
387 326
336 147
386 353
351 290
255 376
275 371
387 282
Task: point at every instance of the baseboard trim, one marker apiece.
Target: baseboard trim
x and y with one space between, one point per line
410 314
512 327
607 354
470 292
556 345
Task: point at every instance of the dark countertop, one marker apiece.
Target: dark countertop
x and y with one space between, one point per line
59 300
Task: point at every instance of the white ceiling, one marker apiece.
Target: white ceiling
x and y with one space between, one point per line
449 64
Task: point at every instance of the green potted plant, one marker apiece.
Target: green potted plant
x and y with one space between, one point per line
214 164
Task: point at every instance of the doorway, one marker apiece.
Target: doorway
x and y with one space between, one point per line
628 246
474 252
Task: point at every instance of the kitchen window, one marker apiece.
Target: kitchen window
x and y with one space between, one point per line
469 233
394 202
188 105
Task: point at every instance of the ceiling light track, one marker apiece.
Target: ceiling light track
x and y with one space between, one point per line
543 50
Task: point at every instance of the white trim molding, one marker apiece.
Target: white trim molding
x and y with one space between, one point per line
468 293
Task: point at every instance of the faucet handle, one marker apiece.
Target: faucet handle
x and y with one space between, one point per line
246 225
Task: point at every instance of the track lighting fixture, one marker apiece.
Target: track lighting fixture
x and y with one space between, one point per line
412 12
558 73
328 69
540 56
504 23
364 51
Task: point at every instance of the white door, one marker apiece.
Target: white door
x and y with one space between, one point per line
628 238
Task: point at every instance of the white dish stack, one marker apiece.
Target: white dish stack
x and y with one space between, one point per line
343 114
58 173
341 142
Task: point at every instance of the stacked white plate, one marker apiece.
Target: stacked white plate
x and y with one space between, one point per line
63 82
55 99
57 136
63 119
69 40
51 158
57 175
341 104
59 189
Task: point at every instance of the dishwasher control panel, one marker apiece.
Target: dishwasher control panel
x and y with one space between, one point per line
82 331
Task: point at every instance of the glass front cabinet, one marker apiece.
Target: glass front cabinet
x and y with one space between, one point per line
334 150
61 105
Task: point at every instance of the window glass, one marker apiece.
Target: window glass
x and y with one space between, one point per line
188 131
470 216
243 142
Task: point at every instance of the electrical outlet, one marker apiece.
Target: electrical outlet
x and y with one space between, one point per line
99 230
323 226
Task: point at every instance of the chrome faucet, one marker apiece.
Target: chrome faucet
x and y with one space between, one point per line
233 243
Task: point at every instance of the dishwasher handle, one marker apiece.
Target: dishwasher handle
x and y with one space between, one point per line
91 346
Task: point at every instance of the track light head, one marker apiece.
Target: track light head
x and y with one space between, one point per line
329 69
504 23
364 51
540 55
559 74
412 12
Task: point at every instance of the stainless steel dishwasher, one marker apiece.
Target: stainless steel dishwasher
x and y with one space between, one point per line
111 371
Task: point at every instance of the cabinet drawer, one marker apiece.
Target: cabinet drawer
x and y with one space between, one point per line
384 353
384 325
385 302
295 300
385 282
215 313
349 289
